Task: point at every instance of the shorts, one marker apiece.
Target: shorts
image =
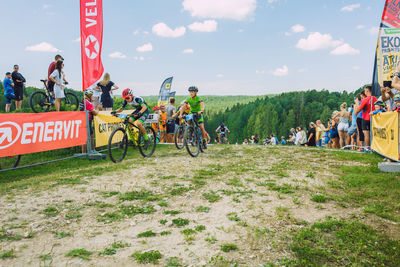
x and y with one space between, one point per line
343 127
19 93
50 86
327 140
58 92
143 117
366 125
171 127
333 134
9 97
352 129
359 129
200 120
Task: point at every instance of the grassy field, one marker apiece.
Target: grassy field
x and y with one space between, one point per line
232 206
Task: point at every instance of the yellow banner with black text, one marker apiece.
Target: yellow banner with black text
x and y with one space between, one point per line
385 134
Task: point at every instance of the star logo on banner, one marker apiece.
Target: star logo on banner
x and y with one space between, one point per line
92 47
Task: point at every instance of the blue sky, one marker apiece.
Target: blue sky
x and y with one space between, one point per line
246 47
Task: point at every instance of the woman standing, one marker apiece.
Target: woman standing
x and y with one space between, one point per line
343 127
311 135
58 76
106 86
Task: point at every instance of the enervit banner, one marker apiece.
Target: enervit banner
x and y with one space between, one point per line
91 41
26 133
105 124
385 131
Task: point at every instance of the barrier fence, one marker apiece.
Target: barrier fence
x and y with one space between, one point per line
385 134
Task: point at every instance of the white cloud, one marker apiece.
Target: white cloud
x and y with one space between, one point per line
162 29
42 47
298 28
374 30
221 9
220 75
317 41
139 58
77 40
350 8
137 32
281 71
206 26
359 27
117 54
145 48
345 49
356 67
188 51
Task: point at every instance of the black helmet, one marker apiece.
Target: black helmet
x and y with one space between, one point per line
222 124
193 88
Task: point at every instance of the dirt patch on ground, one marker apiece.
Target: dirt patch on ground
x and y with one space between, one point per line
231 204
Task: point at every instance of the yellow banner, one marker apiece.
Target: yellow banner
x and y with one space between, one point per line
104 125
385 134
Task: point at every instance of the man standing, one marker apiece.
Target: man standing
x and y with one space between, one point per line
8 90
18 80
171 113
52 67
367 106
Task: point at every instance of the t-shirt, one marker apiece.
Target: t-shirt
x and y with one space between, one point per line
283 142
18 76
353 118
59 78
318 134
137 102
366 107
7 86
170 111
89 107
195 105
52 67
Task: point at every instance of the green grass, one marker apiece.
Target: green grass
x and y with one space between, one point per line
228 247
51 211
319 198
173 262
344 243
108 251
149 233
163 222
200 228
233 216
211 196
203 209
151 256
139 195
7 254
79 253
180 222
172 212
163 233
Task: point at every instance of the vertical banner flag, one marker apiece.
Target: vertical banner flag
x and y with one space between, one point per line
165 92
91 41
387 57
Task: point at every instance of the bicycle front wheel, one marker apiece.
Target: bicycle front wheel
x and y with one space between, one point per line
71 101
9 162
191 141
179 137
118 145
38 102
147 147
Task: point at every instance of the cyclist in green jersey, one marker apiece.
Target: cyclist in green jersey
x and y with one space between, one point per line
141 112
197 107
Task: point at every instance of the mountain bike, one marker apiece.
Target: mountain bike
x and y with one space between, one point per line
192 138
41 101
9 162
127 134
223 139
180 130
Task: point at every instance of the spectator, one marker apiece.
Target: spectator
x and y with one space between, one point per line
352 133
379 107
367 106
396 103
291 140
360 133
283 141
273 140
245 141
105 87
387 95
255 139
162 124
92 112
52 67
171 114
327 140
343 127
153 124
18 81
58 77
320 129
311 135
333 134
8 91
301 136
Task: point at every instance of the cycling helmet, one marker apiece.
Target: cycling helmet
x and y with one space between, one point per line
380 103
193 88
127 92
156 108
222 124
88 92
396 98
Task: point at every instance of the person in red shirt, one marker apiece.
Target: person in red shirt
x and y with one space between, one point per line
367 106
52 67
92 112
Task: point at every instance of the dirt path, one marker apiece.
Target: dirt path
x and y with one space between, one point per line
239 204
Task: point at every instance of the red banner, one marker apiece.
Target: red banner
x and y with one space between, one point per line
24 133
91 41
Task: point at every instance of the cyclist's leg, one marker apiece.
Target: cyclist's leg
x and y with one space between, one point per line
139 123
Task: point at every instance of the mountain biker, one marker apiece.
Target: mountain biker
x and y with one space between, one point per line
221 130
196 107
141 110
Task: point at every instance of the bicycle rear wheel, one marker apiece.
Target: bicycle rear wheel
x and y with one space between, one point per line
118 145
9 162
71 102
147 148
179 137
191 141
38 102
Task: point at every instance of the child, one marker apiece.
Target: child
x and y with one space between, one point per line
8 91
163 124
283 142
396 103
379 107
